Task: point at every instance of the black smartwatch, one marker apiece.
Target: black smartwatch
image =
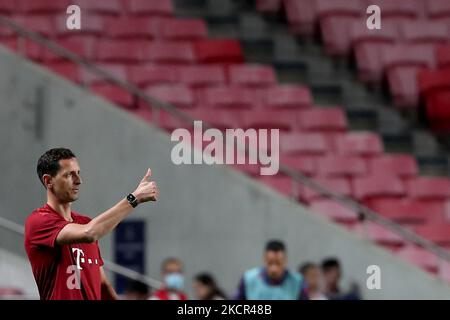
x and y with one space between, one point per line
132 200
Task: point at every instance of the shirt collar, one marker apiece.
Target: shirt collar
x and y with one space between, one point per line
273 282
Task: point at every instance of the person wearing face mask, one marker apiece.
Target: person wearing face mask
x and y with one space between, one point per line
172 274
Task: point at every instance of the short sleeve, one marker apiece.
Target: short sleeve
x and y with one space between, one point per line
43 229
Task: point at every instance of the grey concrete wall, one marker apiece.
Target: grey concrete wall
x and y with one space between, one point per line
213 218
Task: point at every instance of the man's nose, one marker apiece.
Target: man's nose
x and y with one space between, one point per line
78 180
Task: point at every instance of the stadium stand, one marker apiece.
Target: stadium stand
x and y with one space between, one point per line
173 60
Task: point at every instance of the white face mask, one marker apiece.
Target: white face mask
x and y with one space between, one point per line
174 281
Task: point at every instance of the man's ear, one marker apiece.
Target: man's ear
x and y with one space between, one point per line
47 180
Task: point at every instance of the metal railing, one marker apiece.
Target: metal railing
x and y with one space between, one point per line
363 212
108 265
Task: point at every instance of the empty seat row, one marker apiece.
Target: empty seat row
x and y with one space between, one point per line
110 7
304 15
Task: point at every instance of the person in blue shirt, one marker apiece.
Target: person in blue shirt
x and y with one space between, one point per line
273 281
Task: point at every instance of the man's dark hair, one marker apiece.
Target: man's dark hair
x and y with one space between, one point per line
208 280
275 245
48 163
330 263
306 266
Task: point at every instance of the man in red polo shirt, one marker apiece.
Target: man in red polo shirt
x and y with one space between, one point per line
62 245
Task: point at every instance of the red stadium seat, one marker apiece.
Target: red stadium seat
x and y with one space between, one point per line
6 33
336 34
150 7
372 186
359 143
8 292
7 6
301 16
303 143
287 96
321 119
144 75
202 75
32 50
110 7
438 8
268 6
424 31
42 6
359 33
419 257
368 57
92 24
177 95
408 54
334 211
169 52
379 234
114 94
438 233
134 27
123 51
407 211
10 43
40 24
252 75
340 7
443 56
280 183
432 80
438 110
426 188
305 164
398 9
219 119
340 186
338 165
403 86
116 70
68 70
284 120
227 97
218 51
184 29
401 165
81 46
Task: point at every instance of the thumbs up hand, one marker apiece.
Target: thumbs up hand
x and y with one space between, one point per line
147 190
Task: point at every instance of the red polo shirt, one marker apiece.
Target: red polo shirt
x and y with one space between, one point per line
62 272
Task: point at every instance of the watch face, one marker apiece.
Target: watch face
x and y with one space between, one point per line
131 197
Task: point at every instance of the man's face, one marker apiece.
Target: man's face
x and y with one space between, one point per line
312 277
332 275
276 262
65 184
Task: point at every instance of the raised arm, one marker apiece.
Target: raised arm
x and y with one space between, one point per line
104 223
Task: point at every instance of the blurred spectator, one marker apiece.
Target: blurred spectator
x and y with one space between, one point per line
313 281
136 290
205 288
173 278
332 272
273 281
